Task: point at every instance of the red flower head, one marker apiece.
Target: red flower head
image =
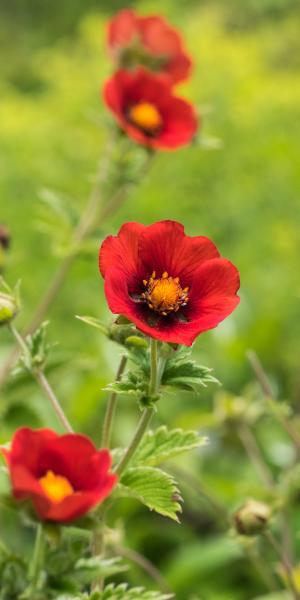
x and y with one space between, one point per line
145 107
148 41
172 286
63 475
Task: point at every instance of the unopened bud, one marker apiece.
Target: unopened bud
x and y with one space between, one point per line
252 518
8 308
4 237
135 340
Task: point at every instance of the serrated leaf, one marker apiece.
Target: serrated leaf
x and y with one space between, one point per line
161 445
93 322
122 592
57 217
182 372
154 488
95 567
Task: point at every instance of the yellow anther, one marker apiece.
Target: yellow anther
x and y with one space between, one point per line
146 116
56 487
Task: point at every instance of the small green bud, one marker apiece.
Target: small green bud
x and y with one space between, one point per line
135 340
8 308
252 518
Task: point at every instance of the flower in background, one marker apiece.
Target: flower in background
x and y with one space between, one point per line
148 111
172 286
63 475
148 41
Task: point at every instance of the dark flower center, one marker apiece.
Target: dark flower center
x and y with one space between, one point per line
165 294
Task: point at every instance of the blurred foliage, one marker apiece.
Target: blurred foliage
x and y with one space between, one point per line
243 194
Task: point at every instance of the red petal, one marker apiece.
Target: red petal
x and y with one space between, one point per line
122 250
180 124
76 505
164 246
122 28
28 445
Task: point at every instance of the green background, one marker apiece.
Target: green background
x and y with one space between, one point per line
242 191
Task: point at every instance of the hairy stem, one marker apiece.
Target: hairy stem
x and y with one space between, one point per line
91 218
267 390
98 540
111 407
253 451
42 381
146 565
286 565
137 438
153 368
35 564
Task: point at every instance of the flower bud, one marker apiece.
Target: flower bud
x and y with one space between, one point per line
4 237
137 341
252 518
8 308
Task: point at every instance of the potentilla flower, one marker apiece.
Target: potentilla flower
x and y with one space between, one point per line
63 475
148 41
148 111
172 286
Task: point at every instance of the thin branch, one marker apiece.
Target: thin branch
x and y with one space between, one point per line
287 567
111 407
253 451
267 390
42 381
146 565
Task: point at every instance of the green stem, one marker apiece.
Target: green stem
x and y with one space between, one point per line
42 381
111 407
256 457
153 367
285 564
36 562
45 385
147 412
90 219
98 541
138 436
267 390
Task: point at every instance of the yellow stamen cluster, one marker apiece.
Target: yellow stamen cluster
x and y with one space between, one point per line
146 116
165 294
56 487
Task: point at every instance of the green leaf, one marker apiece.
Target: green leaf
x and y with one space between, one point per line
120 592
37 350
182 372
95 567
57 217
154 488
130 386
161 445
94 323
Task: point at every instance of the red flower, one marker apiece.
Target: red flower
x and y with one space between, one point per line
145 107
63 475
172 286
148 41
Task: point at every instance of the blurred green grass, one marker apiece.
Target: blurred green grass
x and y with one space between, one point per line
244 196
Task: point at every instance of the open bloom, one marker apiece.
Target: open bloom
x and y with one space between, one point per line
172 286
148 41
63 475
148 111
